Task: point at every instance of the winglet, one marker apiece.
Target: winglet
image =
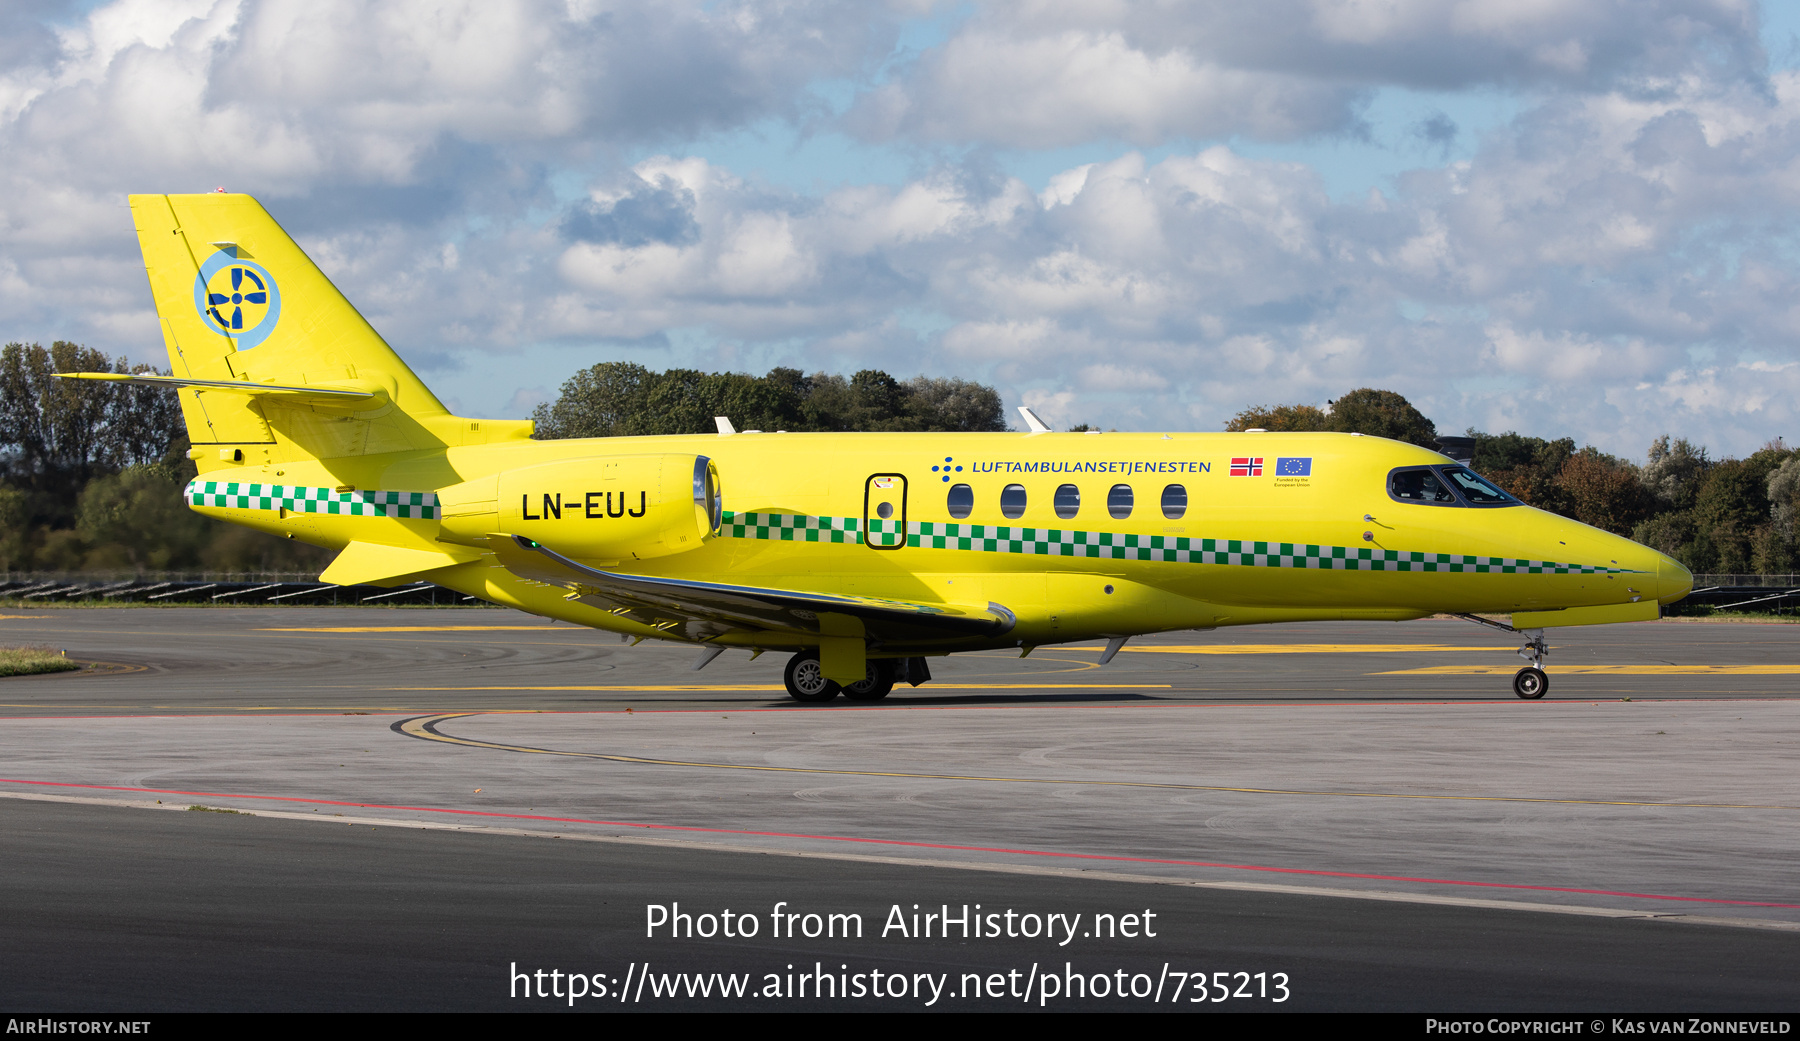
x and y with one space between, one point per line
1037 425
725 427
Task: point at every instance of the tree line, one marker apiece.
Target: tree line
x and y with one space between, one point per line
91 474
1716 516
616 399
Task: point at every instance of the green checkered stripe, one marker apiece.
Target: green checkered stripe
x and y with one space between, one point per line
787 527
984 538
234 496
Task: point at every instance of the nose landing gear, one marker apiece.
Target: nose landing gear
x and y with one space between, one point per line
1531 682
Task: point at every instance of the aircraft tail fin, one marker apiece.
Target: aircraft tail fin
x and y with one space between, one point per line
242 306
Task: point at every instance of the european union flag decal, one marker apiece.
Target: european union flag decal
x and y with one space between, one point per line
1289 466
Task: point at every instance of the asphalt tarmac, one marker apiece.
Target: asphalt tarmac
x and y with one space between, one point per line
212 660
426 800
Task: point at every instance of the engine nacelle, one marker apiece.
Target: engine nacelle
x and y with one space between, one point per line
629 507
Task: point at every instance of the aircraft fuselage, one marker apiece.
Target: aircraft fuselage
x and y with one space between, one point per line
1077 535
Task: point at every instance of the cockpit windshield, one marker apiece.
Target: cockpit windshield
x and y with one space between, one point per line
1477 489
1446 486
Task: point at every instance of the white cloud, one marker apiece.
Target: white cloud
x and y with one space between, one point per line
1615 262
1106 377
1044 91
286 97
1057 72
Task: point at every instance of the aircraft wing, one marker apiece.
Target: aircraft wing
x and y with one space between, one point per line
705 610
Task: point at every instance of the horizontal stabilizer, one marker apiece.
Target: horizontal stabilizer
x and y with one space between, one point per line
367 563
349 392
703 610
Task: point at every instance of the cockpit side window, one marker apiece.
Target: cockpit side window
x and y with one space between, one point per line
1420 484
1478 490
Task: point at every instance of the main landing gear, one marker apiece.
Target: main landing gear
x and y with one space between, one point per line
806 681
875 684
1531 682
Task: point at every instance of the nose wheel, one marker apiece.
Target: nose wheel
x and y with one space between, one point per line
1531 683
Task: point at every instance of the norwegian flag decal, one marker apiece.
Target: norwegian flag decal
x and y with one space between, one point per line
1244 466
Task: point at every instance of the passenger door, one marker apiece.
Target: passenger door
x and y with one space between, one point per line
884 511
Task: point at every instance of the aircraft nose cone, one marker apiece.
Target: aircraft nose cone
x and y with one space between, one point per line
1672 581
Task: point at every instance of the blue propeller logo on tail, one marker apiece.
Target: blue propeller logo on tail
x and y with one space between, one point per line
237 298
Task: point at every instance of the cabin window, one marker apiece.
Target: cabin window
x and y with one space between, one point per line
961 501
1420 485
1477 489
1174 502
1012 501
1068 501
1119 501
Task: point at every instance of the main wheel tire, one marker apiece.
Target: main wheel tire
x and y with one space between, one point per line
805 679
1531 683
875 684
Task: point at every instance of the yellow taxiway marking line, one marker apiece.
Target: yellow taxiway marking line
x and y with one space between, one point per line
423 727
1605 670
1308 648
219 710
425 629
728 686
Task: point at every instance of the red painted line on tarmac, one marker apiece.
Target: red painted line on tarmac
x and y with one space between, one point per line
905 843
1523 706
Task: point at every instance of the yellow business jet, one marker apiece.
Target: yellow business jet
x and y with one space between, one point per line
863 554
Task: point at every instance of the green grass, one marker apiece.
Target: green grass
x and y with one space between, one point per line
27 661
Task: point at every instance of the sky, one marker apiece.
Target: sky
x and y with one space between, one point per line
1562 217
